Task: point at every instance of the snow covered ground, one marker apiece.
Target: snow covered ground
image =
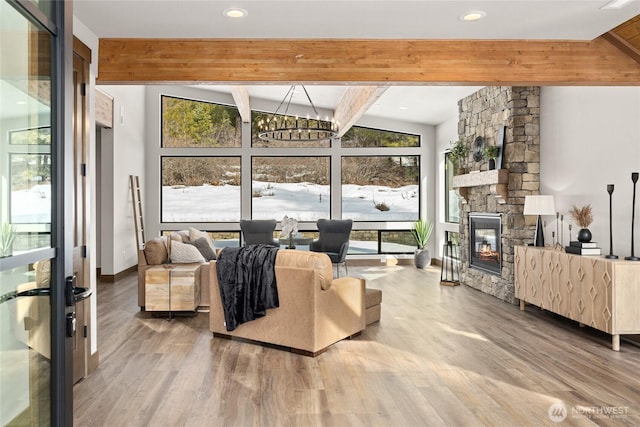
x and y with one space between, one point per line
303 201
32 206
207 203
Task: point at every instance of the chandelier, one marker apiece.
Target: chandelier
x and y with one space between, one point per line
280 126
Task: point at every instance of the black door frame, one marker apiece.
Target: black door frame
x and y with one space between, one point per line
59 24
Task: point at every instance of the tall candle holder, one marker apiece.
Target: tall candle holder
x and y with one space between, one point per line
610 189
634 178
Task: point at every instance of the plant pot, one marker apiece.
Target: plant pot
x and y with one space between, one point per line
584 235
422 258
492 164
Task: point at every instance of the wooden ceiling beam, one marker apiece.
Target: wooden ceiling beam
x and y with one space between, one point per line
369 62
355 101
241 97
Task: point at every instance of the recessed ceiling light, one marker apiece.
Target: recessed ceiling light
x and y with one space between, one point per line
616 4
235 12
404 108
473 15
21 103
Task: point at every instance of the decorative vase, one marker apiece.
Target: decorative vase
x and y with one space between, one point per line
422 258
584 235
492 164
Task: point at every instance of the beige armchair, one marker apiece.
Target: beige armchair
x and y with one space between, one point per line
315 310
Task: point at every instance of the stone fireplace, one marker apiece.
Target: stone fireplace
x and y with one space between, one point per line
515 113
485 248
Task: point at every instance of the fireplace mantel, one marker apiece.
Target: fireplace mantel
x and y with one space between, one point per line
496 179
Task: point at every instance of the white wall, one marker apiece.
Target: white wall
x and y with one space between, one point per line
590 137
123 154
446 133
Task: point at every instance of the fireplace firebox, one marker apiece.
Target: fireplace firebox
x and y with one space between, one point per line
485 249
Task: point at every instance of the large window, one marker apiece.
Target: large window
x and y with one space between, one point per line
30 188
380 188
200 189
298 187
451 197
377 178
197 124
359 137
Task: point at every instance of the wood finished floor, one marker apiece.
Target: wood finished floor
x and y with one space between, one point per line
439 356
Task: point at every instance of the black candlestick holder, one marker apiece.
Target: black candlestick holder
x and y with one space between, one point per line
634 178
611 255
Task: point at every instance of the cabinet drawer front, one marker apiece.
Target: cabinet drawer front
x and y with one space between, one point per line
157 297
156 289
595 277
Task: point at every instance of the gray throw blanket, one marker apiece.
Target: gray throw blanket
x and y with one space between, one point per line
247 281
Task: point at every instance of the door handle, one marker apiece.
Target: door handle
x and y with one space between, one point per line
80 294
35 292
75 294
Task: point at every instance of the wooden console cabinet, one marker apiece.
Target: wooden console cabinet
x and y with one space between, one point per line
601 293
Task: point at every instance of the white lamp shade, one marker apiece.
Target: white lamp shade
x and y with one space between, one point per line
539 205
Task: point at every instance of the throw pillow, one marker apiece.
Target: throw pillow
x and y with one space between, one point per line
205 249
182 253
195 234
155 251
180 236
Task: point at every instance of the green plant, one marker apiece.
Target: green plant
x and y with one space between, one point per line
7 236
458 151
490 152
421 231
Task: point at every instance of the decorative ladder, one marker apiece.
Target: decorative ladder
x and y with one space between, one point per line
136 201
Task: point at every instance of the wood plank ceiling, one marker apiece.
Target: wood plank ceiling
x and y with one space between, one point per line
626 37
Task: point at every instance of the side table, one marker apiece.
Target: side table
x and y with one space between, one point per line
172 288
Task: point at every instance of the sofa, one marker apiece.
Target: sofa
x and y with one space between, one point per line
315 310
189 247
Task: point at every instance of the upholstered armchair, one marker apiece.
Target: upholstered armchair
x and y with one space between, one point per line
315 309
258 231
333 240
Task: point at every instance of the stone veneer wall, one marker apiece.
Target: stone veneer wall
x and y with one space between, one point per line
482 114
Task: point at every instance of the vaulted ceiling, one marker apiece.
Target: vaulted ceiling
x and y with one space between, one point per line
365 52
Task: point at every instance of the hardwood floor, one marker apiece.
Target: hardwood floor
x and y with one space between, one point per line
439 356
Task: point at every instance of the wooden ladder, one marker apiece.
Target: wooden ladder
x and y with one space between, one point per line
136 199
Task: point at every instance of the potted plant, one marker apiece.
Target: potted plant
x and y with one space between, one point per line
583 216
421 231
490 153
458 152
7 236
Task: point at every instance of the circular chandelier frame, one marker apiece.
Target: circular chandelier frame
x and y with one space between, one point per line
285 127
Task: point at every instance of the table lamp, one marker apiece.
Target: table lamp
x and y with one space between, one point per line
539 205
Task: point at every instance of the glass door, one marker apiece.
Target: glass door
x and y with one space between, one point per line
33 343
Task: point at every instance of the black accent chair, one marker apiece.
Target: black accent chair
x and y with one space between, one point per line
333 241
258 231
